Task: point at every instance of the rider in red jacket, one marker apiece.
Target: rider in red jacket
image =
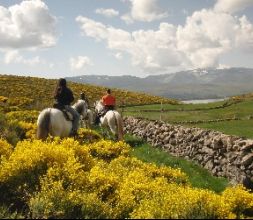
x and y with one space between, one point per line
109 101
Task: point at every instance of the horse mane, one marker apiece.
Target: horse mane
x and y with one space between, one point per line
99 106
79 106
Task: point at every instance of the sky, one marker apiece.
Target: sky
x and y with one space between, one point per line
64 38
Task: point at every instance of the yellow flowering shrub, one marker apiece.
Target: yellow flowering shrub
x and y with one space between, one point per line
171 201
125 181
63 178
32 159
124 165
26 116
239 199
5 149
3 99
29 129
20 101
103 183
56 202
88 136
108 150
10 130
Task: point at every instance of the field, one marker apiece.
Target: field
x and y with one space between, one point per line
233 116
95 177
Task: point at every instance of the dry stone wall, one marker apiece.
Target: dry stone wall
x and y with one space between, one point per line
223 155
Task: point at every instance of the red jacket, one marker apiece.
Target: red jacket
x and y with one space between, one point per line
108 100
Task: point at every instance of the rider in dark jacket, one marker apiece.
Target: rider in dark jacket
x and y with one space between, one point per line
64 96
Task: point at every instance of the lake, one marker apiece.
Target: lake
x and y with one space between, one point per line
202 101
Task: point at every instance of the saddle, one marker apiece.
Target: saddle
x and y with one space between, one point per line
67 115
106 109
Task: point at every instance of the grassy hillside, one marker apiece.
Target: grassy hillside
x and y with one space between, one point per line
37 93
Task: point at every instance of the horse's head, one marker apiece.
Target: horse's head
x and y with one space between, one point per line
99 107
81 107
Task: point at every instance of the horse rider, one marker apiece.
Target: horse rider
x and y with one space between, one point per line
109 103
84 97
64 96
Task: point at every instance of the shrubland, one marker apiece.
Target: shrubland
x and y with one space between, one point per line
91 177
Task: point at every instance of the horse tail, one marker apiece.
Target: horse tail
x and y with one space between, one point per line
119 127
43 125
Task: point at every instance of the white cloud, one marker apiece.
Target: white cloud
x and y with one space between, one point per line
144 10
205 37
244 37
15 57
127 18
107 12
209 34
80 62
92 28
232 6
118 56
27 25
150 50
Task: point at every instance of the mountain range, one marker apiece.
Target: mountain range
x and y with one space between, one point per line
184 85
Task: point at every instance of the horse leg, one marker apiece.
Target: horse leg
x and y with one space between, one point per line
82 123
88 125
90 119
120 131
112 131
116 126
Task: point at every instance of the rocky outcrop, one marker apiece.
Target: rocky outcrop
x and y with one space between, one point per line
223 155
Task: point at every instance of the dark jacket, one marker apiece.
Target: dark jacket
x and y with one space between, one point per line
64 96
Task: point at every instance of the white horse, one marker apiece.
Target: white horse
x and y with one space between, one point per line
112 120
87 119
52 121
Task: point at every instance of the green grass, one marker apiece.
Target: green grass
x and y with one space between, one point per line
198 176
241 110
176 107
242 128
